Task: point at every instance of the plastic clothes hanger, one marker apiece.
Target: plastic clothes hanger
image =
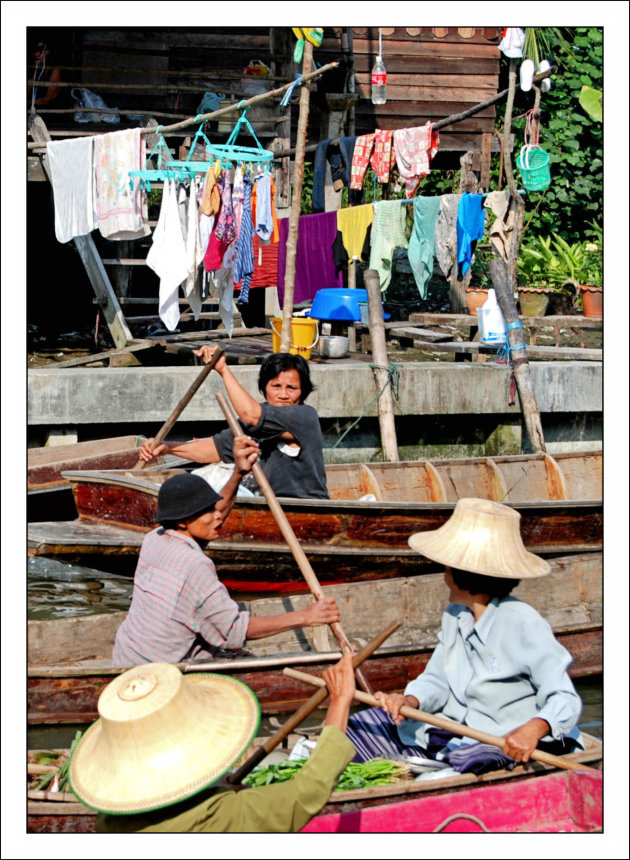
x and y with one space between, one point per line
189 164
230 152
163 170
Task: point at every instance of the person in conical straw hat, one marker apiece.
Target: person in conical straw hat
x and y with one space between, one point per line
497 666
155 758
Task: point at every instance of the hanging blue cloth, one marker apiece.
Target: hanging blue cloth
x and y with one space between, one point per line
471 221
244 266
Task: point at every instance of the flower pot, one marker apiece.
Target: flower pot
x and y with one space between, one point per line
533 300
476 297
591 300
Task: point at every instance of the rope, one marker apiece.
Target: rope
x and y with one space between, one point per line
393 379
465 815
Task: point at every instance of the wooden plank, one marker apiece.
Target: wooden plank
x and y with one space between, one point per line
458 51
416 334
470 95
566 353
427 81
134 346
538 322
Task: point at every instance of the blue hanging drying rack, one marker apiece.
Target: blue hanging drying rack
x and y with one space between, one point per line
230 153
166 168
189 164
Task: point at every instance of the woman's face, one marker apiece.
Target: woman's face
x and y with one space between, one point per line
285 389
205 527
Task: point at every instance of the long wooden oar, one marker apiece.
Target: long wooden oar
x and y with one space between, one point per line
290 536
301 714
443 723
183 403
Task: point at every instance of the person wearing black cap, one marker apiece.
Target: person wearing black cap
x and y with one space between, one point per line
180 611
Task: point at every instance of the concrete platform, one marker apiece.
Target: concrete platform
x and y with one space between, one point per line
464 392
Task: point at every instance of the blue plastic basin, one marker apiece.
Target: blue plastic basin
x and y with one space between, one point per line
337 304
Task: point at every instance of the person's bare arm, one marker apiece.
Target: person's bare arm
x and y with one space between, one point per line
522 741
341 686
323 612
199 451
51 92
247 407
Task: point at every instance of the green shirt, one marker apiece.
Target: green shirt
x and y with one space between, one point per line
284 807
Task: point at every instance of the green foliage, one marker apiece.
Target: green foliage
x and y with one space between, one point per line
574 142
554 263
356 775
591 101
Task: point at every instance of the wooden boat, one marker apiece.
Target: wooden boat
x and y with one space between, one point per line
69 660
361 532
531 798
49 492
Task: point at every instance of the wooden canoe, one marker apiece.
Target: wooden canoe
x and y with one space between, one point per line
531 798
69 659
348 537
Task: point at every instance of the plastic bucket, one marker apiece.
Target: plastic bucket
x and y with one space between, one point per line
304 335
533 164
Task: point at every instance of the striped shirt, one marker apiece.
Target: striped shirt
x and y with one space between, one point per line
179 608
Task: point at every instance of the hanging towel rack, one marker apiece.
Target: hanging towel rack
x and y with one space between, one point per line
189 164
230 152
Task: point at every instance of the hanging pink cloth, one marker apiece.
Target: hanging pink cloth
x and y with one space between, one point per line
377 145
414 148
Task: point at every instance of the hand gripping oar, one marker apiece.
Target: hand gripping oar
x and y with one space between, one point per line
183 403
314 702
290 536
449 725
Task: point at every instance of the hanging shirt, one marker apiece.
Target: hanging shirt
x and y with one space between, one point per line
194 254
121 210
498 202
421 251
471 219
225 228
72 179
314 260
388 232
446 233
167 257
244 265
353 223
375 149
264 220
414 149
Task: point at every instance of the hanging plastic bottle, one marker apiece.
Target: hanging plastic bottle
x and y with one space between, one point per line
491 323
379 76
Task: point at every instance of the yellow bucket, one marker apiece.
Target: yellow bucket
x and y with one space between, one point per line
304 335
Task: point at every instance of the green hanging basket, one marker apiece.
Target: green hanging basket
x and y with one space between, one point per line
533 164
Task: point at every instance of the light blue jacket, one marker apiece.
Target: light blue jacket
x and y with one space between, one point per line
496 674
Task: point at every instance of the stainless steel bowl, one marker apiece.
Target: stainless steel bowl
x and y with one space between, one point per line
333 346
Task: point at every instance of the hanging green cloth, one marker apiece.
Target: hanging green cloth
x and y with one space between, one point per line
421 251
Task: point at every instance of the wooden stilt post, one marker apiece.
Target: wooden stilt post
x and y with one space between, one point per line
504 281
381 360
294 216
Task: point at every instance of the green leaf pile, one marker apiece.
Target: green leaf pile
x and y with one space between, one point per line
356 775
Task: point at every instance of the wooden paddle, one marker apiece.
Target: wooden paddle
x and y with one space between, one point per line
443 723
290 536
183 403
301 714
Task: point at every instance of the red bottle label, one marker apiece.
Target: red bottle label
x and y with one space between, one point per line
379 79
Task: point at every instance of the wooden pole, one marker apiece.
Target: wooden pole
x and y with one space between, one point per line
308 707
381 373
183 403
294 215
443 723
504 281
289 535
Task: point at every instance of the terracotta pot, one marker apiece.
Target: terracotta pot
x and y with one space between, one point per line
591 300
533 300
476 297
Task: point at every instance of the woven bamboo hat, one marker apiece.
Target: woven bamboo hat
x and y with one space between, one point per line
161 737
482 537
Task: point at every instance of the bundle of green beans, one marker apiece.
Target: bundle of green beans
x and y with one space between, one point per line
376 771
48 757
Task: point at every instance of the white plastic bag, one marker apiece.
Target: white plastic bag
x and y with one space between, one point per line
87 99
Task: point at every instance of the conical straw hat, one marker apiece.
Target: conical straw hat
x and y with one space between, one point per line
482 537
161 737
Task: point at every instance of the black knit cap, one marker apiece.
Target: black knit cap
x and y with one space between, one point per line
184 496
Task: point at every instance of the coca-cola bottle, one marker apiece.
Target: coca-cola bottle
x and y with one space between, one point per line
379 78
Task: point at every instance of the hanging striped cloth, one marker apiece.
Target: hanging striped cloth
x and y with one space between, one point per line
244 267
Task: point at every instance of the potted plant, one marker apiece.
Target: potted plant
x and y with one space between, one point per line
537 265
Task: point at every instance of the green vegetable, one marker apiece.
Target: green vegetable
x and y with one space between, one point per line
47 757
356 775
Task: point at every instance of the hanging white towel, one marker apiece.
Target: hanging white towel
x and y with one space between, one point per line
121 209
194 255
72 177
167 257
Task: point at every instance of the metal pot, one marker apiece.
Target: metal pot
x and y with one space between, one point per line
331 346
